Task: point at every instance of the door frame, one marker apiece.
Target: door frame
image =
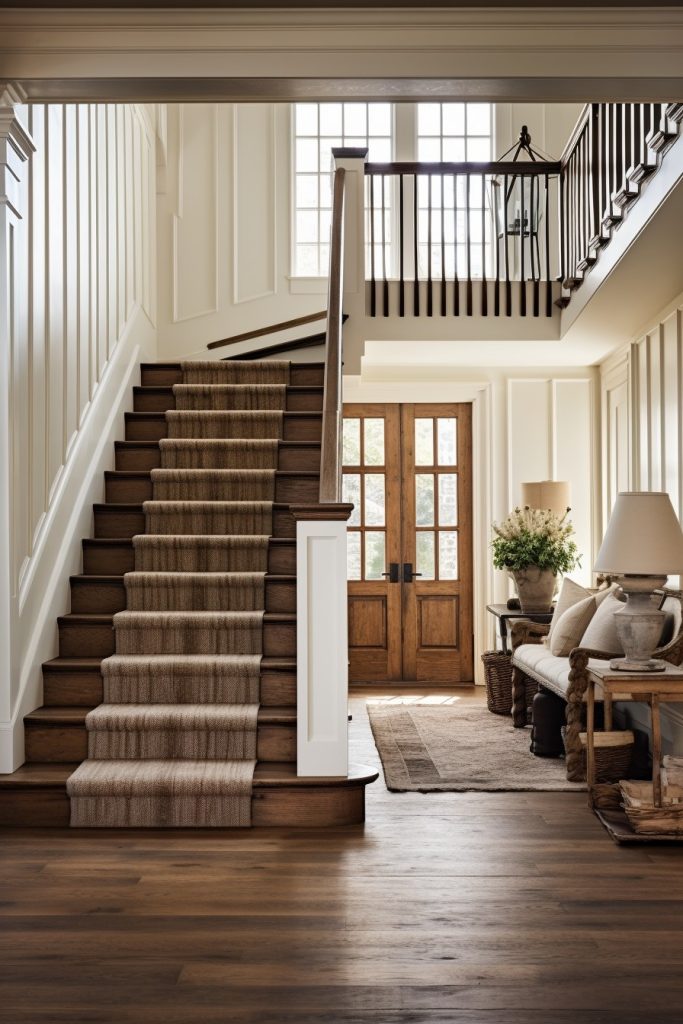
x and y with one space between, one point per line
489 492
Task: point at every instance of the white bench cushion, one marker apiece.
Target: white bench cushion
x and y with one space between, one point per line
535 660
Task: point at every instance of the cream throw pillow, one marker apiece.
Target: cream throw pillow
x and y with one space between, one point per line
570 594
571 626
601 633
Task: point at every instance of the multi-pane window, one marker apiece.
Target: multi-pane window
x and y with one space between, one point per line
318 128
436 497
363 458
454 133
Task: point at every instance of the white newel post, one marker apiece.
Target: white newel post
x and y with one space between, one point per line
322 640
16 148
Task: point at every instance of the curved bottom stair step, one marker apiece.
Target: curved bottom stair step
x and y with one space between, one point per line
35 796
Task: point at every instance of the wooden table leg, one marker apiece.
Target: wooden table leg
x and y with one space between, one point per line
590 740
607 708
656 750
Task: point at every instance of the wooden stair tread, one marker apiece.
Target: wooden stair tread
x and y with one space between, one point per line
156 414
59 716
85 619
82 577
136 508
90 664
273 774
177 366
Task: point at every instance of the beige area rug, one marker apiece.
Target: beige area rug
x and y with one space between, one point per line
449 748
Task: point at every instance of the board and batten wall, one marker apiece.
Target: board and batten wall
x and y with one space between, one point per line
225 213
78 295
642 439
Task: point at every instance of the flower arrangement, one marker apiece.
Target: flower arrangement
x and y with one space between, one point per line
535 537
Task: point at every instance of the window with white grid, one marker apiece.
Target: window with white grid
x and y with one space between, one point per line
453 133
318 128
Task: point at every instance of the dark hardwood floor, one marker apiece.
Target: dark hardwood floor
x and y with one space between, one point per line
482 908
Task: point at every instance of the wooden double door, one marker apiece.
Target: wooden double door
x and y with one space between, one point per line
408 471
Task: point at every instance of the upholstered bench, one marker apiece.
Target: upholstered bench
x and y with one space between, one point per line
566 676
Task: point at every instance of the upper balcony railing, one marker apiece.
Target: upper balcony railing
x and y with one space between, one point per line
507 237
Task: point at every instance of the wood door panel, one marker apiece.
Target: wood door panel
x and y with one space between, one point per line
438 621
368 621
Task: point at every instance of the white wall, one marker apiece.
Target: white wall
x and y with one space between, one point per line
642 440
79 263
224 215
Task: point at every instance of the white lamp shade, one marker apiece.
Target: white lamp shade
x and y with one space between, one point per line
643 537
552 494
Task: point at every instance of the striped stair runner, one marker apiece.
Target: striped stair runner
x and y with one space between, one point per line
174 743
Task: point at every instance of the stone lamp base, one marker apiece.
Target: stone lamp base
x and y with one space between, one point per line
639 625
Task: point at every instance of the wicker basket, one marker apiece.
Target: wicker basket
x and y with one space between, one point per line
613 754
498 673
644 817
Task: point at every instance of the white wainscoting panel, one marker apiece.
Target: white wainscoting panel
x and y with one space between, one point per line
79 266
254 217
322 649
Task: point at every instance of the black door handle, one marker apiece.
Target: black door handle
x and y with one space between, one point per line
393 572
408 574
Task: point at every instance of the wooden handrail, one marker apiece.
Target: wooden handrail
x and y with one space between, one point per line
330 452
539 167
285 325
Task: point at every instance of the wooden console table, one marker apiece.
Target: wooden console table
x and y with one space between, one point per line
503 614
653 687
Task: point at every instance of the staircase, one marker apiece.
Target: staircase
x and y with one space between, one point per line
202 691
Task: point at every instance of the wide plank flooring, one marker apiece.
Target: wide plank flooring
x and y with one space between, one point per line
444 908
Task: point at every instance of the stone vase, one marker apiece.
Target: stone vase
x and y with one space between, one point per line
535 588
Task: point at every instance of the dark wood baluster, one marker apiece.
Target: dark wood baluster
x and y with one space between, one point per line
416 228
443 246
484 282
401 258
430 296
468 211
495 204
508 286
604 173
385 279
563 222
373 296
456 279
533 244
594 132
583 196
522 254
548 282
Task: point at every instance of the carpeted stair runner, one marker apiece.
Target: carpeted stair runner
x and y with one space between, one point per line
174 743
213 484
183 453
213 424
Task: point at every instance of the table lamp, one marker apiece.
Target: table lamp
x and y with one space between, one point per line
547 494
643 544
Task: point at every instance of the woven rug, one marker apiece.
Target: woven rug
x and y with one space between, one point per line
458 748
174 742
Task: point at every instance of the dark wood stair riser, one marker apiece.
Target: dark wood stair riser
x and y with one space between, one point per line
84 688
67 743
166 374
121 488
115 557
112 521
79 638
145 455
106 597
161 398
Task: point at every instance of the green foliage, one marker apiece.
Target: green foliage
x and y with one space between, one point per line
535 537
